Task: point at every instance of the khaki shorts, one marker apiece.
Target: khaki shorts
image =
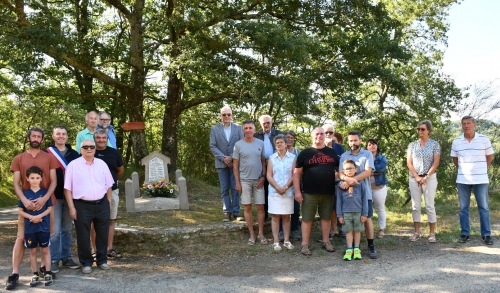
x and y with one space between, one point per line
314 202
352 222
249 189
20 224
115 200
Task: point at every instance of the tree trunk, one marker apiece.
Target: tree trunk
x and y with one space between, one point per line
173 110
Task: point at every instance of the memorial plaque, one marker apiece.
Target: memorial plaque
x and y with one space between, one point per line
156 166
156 169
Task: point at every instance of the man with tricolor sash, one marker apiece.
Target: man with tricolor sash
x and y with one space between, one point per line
61 239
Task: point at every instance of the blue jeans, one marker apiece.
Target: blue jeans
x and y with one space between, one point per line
231 205
60 240
481 193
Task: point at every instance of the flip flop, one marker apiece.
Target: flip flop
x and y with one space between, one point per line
251 241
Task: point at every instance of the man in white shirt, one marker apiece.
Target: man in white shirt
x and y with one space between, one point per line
472 153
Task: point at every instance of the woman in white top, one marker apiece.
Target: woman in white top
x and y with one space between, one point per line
281 196
422 161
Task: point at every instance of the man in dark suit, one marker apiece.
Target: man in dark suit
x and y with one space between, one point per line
267 135
223 136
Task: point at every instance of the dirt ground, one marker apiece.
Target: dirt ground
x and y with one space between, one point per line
227 264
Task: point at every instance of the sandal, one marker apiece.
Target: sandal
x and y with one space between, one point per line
276 246
432 238
112 253
328 246
415 236
262 240
381 234
288 245
305 250
251 241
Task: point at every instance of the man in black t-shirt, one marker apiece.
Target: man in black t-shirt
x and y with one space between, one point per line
114 160
316 167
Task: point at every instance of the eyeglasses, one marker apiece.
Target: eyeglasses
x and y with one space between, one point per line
86 147
226 115
105 119
329 132
421 129
349 169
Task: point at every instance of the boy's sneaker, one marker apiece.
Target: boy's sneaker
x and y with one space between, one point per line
48 279
357 253
373 253
463 238
487 240
54 267
70 264
348 254
34 280
12 281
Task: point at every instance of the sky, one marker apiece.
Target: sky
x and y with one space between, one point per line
473 53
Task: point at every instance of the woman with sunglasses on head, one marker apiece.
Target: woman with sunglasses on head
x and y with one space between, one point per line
422 160
378 182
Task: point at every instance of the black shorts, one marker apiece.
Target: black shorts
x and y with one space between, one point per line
38 239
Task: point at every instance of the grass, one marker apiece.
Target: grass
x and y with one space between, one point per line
7 196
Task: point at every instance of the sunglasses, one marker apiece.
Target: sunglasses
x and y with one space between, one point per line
86 147
105 119
329 132
226 115
421 129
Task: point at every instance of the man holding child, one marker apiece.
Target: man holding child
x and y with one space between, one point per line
32 157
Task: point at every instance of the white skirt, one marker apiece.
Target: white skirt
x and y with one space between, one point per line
280 205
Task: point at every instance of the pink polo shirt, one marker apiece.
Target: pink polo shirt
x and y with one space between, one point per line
88 181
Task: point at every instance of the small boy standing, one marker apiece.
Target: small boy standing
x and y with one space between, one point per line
352 211
37 226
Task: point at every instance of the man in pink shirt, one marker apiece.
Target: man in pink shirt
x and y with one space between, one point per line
87 187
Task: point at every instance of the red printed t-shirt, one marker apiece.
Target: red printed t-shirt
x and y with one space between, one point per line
318 173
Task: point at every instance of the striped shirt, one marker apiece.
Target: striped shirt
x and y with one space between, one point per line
472 166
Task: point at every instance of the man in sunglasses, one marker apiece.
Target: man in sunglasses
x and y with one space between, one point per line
267 134
223 136
87 185
34 156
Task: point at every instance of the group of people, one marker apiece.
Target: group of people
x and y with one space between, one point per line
283 180
342 187
61 186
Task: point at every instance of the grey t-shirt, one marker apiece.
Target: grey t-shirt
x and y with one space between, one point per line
249 155
363 159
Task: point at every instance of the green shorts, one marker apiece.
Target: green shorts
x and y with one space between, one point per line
352 222
323 204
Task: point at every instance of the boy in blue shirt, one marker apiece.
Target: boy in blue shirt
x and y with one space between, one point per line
37 226
352 211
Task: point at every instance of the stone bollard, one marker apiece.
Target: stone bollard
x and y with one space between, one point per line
178 174
136 185
129 196
183 195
